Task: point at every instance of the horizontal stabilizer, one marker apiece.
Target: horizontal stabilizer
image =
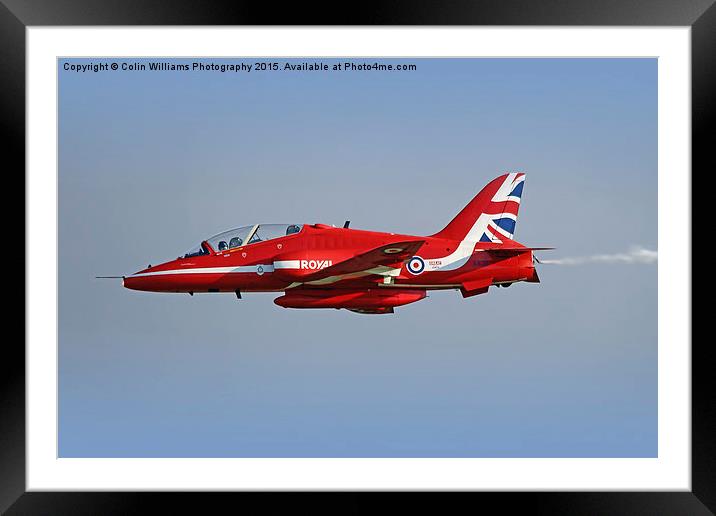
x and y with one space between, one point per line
519 248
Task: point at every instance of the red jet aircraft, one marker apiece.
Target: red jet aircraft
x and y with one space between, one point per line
321 266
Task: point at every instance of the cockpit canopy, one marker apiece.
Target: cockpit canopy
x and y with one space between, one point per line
243 236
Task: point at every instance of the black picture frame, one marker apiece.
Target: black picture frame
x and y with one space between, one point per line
16 15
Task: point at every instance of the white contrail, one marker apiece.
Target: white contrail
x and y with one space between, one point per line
635 255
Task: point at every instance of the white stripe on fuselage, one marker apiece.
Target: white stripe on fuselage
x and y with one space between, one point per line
287 264
208 270
453 261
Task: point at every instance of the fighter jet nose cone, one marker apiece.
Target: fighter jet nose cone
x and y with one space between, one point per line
136 281
131 282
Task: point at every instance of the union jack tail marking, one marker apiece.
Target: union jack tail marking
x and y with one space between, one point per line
491 215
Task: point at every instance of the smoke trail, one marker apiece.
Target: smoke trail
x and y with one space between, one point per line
635 255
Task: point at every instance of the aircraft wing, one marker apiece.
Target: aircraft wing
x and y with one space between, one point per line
376 261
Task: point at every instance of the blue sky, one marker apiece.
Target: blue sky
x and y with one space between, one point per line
150 163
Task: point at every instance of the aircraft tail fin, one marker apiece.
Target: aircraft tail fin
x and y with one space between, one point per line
491 215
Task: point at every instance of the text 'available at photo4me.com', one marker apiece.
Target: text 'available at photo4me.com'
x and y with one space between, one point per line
238 67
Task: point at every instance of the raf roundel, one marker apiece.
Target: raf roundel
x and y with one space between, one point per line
416 265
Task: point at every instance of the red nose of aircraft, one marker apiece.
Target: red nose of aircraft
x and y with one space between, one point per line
149 279
135 282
